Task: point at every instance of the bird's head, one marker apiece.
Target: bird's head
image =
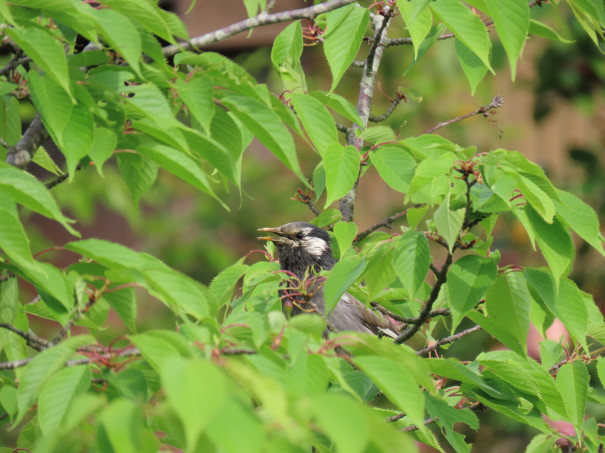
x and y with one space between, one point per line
301 246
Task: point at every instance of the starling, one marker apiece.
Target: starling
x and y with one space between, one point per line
304 250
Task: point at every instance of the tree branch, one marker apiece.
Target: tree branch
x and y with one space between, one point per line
254 22
383 223
496 103
405 41
364 101
32 340
22 153
448 340
426 311
390 314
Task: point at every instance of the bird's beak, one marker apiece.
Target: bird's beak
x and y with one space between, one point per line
269 238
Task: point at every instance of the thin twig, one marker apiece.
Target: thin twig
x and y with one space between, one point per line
497 102
416 320
383 223
254 22
32 340
394 103
405 41
426 311
448 340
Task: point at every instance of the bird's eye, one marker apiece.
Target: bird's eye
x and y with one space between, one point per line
299 235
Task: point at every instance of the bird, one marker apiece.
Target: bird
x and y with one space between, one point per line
304 251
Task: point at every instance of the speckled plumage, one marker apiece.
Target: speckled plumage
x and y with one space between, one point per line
304 249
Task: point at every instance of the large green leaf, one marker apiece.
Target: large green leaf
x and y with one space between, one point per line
196 92
179 164
345 232
566 303
335 415
47 52
10 120
139 173
511 18
285 55
196 391
573 382
508 303
449 222
58 394
317 121
123 429
395 166
446 416
339 104
52 102
31 193
412 260
42 367
78 136
341 164
466 26
120 33
398 385
417 22
266 125
125 305
581 218
467 280
473 67
342 276
345 30
555 243
147 13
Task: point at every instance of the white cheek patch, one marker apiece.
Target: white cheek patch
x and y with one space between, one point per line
315 246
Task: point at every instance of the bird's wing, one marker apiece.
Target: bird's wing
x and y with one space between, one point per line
352 314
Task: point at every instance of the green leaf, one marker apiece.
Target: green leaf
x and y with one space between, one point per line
466 26
78 136
446 416
120 33
449 222
10 120
398 385
138 172
47 52
31 193
542 443
566 303
341 164
179 164
266 125
58 394
13 239
317 121
345 232
377 134
41 368
196 391
251 435
342 276
572 381
508 303
412 260
285 55
125 305
148 14
345 30
431 180
103 146
511 19
42 159
335 415
53 104
123 428
467 280
395 165
541 29
338 104
581 218
418 23
196 93
555 243
473 67
601 370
